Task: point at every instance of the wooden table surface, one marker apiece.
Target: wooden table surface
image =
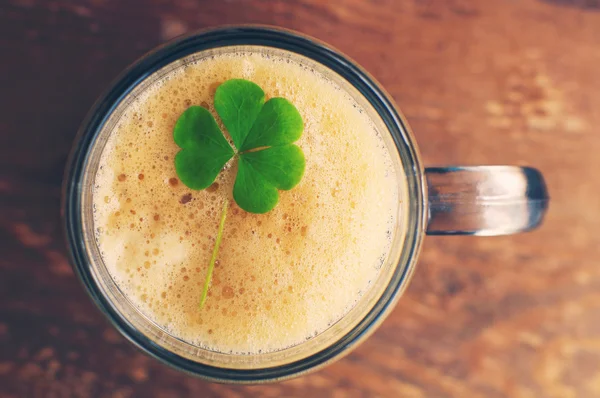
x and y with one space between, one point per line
481 82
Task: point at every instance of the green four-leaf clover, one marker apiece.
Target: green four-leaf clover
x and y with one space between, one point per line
263 133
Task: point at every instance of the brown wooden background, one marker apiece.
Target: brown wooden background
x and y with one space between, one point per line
480 81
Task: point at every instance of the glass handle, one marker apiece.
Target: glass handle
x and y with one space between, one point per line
485 200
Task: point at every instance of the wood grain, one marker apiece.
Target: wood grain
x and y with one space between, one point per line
481 82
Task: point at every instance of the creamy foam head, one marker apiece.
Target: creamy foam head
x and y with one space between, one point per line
281 277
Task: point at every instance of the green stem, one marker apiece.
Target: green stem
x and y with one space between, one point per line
211 266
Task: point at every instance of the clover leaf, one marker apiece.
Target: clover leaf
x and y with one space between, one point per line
263 133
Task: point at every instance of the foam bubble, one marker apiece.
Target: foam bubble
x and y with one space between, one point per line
281 277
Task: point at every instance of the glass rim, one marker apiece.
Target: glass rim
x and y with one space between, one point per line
234 36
